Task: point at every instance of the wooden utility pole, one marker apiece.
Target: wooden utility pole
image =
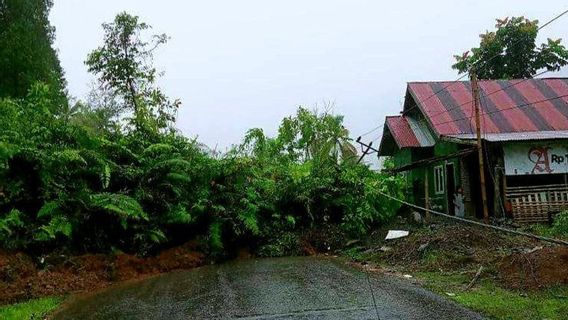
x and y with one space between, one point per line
475 93
369 149
426 197
366 152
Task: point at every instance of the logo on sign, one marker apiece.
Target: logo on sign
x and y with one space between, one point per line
539 156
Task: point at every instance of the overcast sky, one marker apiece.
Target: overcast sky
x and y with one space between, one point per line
242 64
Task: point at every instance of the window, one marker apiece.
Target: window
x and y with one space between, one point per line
439 179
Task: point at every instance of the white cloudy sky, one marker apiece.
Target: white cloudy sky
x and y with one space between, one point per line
249 63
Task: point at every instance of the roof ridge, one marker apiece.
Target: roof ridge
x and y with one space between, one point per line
486 80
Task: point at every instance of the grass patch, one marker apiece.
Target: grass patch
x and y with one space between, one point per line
30 310
496 302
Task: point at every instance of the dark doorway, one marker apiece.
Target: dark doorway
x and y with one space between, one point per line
450 187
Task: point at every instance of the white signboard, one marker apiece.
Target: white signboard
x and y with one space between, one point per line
534 158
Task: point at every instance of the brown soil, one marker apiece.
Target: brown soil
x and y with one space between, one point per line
21 278
451 247
517 262
539 269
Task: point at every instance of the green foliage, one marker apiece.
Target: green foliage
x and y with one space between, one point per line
496 302
560 225
81 178
26 51
35 309
124 207
8 224
126 74
284 244
511 52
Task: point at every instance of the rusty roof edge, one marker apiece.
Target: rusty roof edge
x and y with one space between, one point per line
421 108
514 136
382 139
390 129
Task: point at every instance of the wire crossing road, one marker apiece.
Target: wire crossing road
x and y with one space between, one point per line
283 288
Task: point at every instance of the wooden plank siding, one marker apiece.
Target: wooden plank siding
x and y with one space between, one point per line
537 204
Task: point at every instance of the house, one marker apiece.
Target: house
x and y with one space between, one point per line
524 131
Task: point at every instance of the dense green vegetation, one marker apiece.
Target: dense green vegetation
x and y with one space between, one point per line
26 52
511 52
112 173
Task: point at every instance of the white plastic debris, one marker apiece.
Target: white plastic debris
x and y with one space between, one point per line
395 234
407 276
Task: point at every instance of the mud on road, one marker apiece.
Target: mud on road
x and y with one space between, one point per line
282 288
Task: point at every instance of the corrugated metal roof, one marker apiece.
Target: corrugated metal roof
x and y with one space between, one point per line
450 112
421 131
516 136
401 132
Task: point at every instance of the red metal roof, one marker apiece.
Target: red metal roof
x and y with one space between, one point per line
507 106
401 132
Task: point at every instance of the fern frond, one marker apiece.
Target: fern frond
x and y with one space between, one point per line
215 235
157 150
123 206
49 209
12 220
57 225
179 215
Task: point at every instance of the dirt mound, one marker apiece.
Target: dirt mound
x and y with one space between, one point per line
538 269
451 246
21 278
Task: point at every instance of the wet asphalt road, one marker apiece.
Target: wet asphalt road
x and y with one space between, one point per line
285 288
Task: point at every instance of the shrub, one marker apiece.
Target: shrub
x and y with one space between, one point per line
560 224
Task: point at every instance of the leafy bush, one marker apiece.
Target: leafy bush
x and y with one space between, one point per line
560 224
285 244
113 173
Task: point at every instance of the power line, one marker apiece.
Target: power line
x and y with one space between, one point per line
489 94
372 130
372 294
480 61
491 173
552 20
509 108
436 93
464 75
525 234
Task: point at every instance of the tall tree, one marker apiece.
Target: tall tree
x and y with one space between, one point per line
511 52
26 52
125 71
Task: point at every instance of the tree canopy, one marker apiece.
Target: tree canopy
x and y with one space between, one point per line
26 50
111 173
126 75
511 52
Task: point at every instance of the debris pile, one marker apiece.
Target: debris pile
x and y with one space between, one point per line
535 269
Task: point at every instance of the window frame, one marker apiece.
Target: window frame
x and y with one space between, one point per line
439 179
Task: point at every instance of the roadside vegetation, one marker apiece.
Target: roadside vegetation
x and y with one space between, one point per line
114 175
498 302
101 189
106 188
500 275
36 309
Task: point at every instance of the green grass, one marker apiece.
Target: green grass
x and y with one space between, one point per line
496 302
34 309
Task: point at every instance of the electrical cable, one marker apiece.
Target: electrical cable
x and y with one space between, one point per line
525 234
372 294
509 108
479 61
488 94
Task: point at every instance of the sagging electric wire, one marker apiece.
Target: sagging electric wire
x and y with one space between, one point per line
520 233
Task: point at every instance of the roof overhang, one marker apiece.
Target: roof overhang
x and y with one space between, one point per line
514 136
